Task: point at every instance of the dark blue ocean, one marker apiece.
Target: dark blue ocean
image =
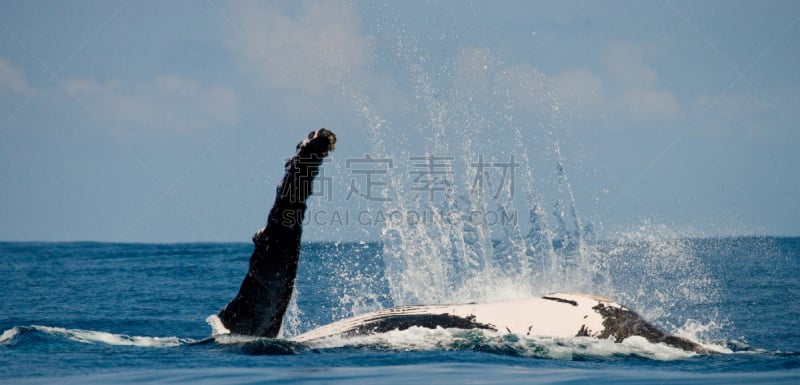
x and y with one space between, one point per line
84 313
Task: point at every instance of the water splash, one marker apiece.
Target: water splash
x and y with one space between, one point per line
466 112
292 324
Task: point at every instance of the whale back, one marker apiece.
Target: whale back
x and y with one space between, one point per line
559 315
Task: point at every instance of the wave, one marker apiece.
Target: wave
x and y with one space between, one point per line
414 339
92 337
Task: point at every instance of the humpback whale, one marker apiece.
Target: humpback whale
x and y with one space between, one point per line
265 292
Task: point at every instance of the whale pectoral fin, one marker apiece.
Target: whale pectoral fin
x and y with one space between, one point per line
266 290
318 142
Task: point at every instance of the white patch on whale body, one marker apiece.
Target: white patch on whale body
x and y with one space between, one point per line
559 315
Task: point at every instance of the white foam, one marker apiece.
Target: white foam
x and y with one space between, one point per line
423 339
91 337
9 335
233 339
699 332
640 346
222 335
217 327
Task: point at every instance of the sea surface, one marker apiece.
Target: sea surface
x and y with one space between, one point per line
99 313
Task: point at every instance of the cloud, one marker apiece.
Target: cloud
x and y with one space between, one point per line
167 104
13 79
626 65
650 104
638 93
579 87
732 104
485 80
310 51
624 87
739 113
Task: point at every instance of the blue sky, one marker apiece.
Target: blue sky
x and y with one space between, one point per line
145 121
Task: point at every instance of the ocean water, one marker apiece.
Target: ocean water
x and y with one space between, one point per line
83 313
